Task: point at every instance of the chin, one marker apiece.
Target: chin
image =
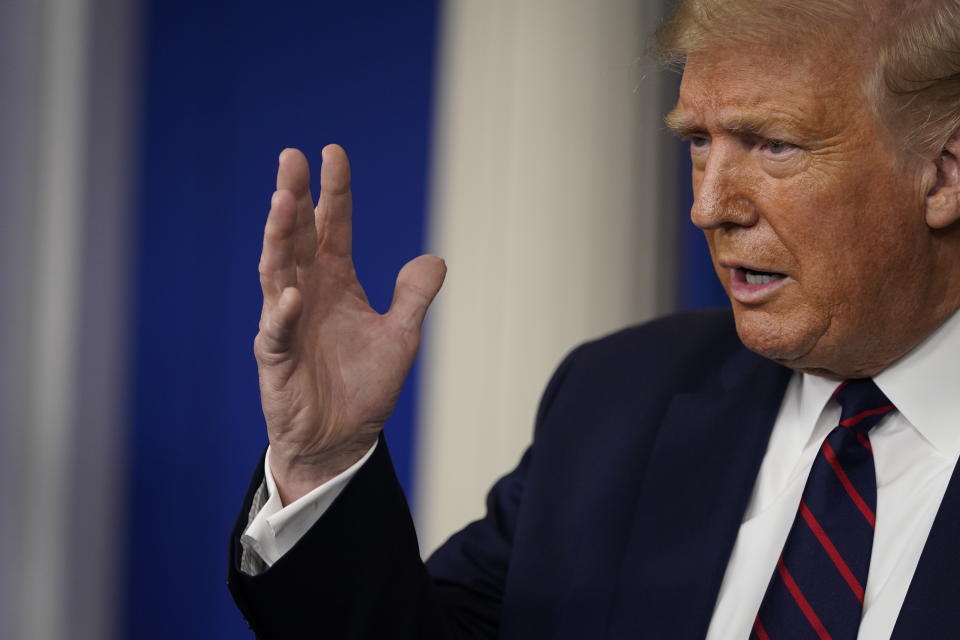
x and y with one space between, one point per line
785 340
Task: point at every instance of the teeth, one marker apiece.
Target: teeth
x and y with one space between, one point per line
759 278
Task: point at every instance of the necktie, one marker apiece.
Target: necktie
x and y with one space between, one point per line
816 590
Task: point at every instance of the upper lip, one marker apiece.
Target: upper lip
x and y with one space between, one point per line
740 264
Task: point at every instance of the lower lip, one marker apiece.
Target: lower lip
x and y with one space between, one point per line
746 293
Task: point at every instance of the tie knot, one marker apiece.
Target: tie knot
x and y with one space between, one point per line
862 404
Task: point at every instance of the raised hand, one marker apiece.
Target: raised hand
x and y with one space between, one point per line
331 367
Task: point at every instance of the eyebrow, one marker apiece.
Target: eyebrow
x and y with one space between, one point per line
684 125
681 124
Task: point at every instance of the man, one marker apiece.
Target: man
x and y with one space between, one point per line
698 476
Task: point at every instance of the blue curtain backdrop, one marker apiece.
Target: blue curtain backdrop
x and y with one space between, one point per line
226 85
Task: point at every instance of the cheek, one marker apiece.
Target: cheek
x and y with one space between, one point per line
857 243
819 224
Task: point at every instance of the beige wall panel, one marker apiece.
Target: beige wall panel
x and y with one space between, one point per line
552 203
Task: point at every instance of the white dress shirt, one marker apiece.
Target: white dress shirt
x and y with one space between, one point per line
915 451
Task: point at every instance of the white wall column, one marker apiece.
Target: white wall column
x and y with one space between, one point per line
553 200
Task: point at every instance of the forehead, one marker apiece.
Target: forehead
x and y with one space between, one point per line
750 88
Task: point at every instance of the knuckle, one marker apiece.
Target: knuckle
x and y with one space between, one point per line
259 350
265 349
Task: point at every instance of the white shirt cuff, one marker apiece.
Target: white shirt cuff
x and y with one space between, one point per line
276 529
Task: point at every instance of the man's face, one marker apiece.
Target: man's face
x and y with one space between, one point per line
818 237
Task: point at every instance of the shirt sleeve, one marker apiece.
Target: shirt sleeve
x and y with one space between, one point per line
273 529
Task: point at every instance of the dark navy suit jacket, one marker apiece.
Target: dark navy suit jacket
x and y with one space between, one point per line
617 523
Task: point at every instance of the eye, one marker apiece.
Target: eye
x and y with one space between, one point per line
698 142
777 147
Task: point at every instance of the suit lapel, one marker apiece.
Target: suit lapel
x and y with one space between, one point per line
930 609
695 490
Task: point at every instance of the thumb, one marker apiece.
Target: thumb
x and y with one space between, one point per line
417 284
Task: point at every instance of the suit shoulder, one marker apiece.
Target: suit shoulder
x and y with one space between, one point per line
688 345
676 334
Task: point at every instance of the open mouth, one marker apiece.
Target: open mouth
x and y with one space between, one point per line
751 286
759 277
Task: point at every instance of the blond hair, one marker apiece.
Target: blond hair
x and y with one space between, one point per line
915 84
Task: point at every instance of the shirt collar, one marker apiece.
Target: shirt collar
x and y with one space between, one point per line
815 393
925 387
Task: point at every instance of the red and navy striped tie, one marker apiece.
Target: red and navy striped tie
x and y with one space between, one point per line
817 587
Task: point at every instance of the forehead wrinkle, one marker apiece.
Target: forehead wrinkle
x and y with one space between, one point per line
805 105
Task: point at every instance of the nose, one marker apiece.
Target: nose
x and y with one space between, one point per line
721 189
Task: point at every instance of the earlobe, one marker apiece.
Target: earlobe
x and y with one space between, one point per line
943 201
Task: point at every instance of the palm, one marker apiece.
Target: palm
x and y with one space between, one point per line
331 367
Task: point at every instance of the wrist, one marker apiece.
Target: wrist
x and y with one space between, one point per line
297 475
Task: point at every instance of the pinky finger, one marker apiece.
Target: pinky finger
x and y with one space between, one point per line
278 324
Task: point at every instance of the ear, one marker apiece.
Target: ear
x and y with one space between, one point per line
943 201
